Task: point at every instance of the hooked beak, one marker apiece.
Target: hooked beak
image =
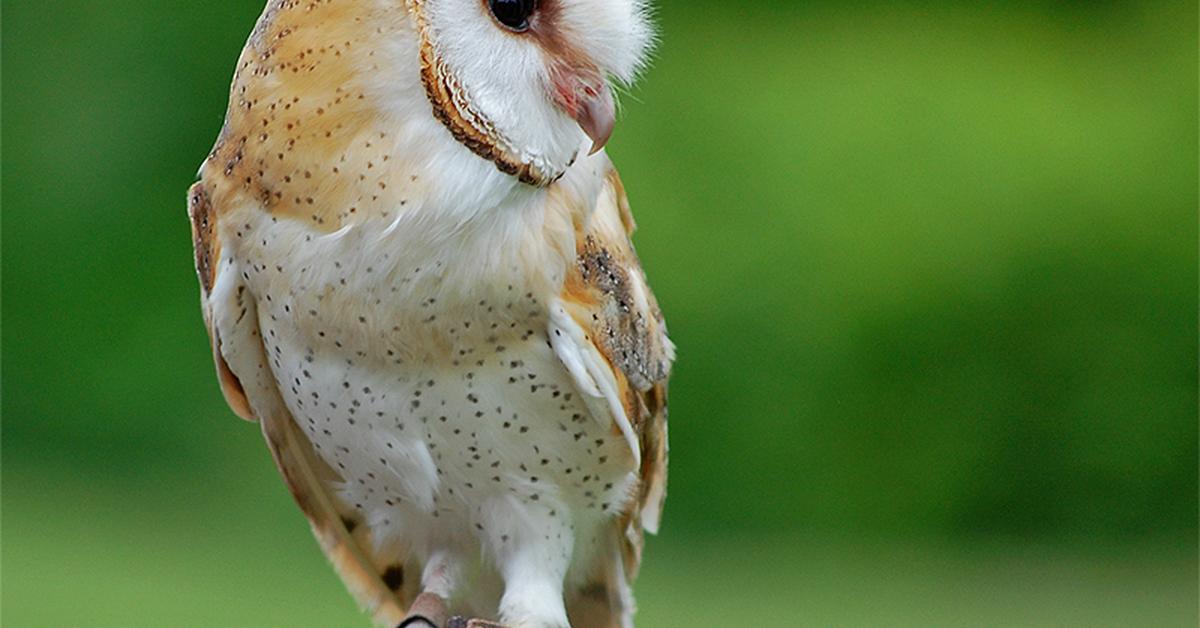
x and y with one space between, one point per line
597 115
588 100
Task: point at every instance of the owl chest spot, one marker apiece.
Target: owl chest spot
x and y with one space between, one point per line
438 439
429 387
371 287
423 376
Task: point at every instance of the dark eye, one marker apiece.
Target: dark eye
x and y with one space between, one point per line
512 13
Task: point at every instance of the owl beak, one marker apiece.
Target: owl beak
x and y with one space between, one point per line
590 103
597 116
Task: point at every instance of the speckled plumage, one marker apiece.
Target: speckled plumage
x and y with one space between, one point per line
434 308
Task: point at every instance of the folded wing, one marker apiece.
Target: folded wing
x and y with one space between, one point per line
607 329
230 314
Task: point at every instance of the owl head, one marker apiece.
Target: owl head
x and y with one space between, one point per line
526 83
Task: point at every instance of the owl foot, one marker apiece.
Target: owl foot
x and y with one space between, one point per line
463 622
427 611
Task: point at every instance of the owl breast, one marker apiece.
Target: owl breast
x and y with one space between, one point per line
422 375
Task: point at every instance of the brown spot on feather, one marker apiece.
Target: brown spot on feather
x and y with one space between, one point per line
595 591
393 577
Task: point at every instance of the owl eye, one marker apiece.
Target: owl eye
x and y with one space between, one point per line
513 14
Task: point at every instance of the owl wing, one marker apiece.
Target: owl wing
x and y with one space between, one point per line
608 331
207 249
230 314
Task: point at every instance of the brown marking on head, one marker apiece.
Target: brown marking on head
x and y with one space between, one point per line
350 523
569 66
393 577
441 88
545 29
444 95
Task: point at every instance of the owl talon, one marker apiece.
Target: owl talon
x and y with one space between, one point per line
459 621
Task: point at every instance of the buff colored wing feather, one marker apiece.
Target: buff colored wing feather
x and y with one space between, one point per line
376 581
377 586
608 330
205 244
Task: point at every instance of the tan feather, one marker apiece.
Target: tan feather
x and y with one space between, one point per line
306 477
304 141
606 293
300 127
206 245
375 582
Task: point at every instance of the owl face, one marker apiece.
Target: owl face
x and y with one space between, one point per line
525 83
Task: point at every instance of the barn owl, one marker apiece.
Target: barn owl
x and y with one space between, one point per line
417 276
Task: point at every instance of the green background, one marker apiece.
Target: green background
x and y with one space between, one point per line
931 268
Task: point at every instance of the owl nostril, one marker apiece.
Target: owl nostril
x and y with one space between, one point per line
513 14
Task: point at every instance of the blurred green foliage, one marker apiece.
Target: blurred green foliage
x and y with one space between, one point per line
931 267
